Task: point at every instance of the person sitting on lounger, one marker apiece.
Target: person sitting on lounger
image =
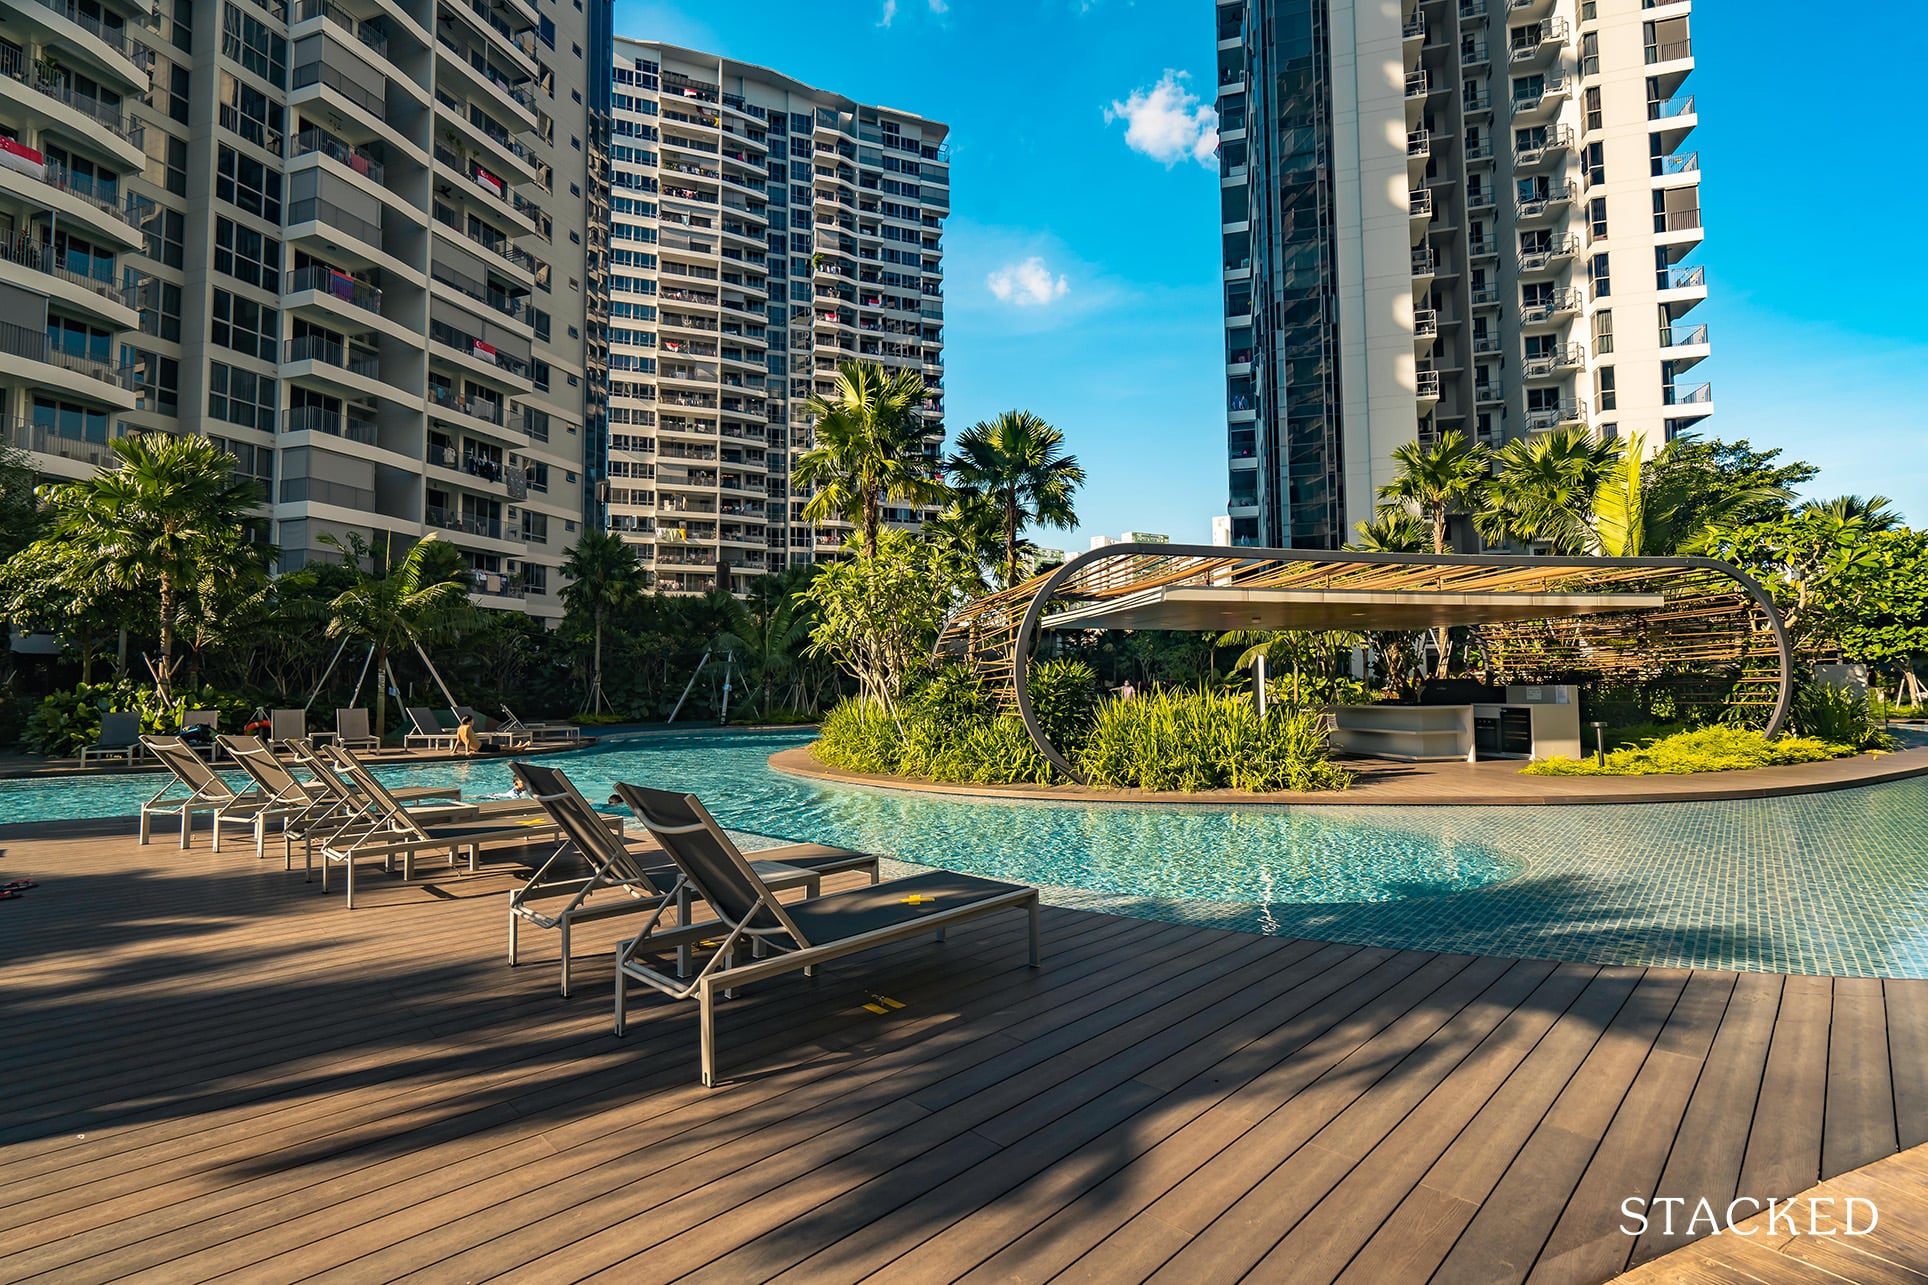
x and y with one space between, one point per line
465 735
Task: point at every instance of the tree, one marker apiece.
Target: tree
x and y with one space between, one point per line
1545 487
869 449
1433 483
879 616
1645 508
972 527
1391 531
414 601
1726 482
767 639
1016 461
603 576
21 520
171 518
1874 513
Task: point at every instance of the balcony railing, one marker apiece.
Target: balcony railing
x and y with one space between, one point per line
1473 53
1683 336
1539 260
1419 142
358 159
1668 108
487 409
18 341
14 65
1669 51
1525 46
497 245
332 352
471 346
1486 296
1425 322
104 196
1428 384
1550 307
1565 411
1486 343
317 419
114 38
338 284
366 34
80 269
316 210
1481 247
1682 163
1543 365
1416 84
468 523
1421 204
1540 204
25 435
1475 98
1698 394
315 490
1679 278
1677 220
1557 139
1414 28
320 73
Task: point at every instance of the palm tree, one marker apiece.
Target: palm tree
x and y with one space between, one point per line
1545 489
1390 531
767 642
972 527
869 449
415 600
1638 511
1017 462
169 518
1873 513
603 576
1432 483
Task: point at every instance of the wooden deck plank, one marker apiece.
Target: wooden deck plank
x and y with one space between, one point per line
215 1072
1784 1146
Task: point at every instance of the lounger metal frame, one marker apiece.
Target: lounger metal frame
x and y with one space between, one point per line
751 914
206 792
128 751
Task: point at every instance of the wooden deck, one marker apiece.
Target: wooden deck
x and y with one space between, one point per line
210 1070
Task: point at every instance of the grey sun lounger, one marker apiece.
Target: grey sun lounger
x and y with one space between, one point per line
120 737
207 791
598 860
427 731
396 831
321 808
803 934
538 732
351 730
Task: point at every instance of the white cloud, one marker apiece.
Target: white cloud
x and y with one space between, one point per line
940 6
890 13
1027 283
1168 122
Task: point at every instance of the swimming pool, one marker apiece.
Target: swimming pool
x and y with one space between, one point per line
1826 883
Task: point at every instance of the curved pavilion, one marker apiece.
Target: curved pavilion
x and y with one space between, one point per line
1537 619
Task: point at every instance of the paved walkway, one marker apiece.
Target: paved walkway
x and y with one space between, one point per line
210 1068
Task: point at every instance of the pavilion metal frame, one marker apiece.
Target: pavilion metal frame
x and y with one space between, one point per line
1715 615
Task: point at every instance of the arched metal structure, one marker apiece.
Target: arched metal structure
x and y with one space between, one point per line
1612 616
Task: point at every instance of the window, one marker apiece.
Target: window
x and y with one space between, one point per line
157 380
1590 54
78 339
247 184
164 231
1597 276
241 397
1596 218
1593 158
1603 332
169 169
247 111
254 46
70 419
161 310
539 374
245 326
1605 397
1594 116
247 255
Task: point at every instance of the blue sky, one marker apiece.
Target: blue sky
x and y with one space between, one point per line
1080 270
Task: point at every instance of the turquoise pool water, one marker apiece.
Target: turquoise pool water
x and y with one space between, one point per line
1829 883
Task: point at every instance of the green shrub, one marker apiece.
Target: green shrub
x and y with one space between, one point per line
1064 696
65 722
1704 749
1188 741
1839 715
859 736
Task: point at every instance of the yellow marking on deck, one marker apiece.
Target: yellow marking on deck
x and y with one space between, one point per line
915 900
876 1008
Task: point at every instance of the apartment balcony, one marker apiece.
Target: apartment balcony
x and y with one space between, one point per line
1535 44
1483 248
80 283
1683 345
505 252
509 307
337 232
1485 296
1420 211
1479 198
1672 119
1570 412
1682 286
1425 323
316 419
1529 108
1425 266
506 29
1485 345
1518 11
1474 56
46 440
1552 258
335 292
1556 363
107 52
94 204
1426 386
1699 396
1412 33
470 524
1472 10
1479 153
1677 169
1556 308
80 119
92 374
319 359
306 16
1489 394
1557 143
458 124
1545 205
1664 54
324 89
505 91
1418 84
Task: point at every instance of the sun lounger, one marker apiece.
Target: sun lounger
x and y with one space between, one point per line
600 861
539 732
314 811
207 791
398 831
428 733
120 737
351 730
804 934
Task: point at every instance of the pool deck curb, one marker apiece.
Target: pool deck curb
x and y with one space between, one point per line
59 769
1383 784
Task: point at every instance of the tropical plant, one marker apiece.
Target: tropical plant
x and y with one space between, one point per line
1545 488
415 601
170 518
21 520
971 527
603 576
1728 482
1875 513
1839 715
66 721
1016 461
879 616
1432 483
870 449
1703 749
767 639
1180 740
1645 508
1391 531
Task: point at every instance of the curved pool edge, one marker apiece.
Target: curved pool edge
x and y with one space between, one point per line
1437 785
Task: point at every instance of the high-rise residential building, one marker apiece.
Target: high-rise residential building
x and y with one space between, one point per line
1469 215
357 242
762 232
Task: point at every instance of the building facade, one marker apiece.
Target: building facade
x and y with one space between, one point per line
762 232
1448 215
354 241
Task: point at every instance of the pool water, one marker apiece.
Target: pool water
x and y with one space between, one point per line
1827 883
